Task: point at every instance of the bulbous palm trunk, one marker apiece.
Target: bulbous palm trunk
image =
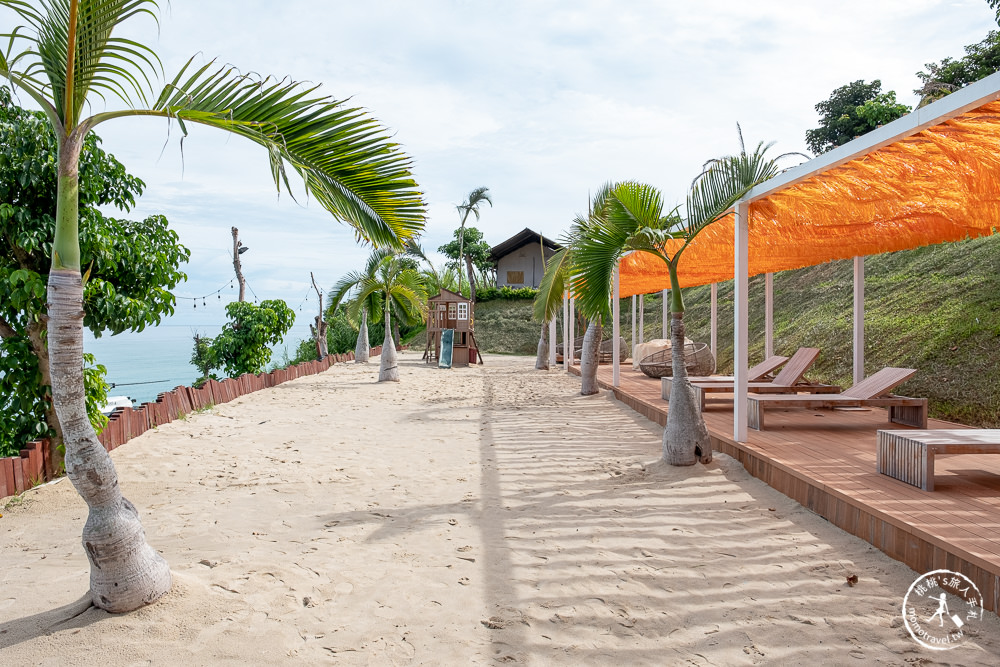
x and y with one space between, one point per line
685 438
361 348
125 572
589 358
388 370
542 355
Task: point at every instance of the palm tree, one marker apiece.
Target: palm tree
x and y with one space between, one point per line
346 290
561 271
470 205
398 287
634 220
67 54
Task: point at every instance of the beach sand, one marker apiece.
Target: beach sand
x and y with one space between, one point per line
474 516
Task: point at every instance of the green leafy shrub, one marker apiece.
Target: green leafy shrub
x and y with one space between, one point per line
484 294
243 346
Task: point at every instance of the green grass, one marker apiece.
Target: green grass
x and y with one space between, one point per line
936 309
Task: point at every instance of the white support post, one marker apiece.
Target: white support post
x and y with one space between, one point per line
642 318
616 345
714 336
859 319
572 330
567 345
633 326
552 342
768 315
666 313
741 321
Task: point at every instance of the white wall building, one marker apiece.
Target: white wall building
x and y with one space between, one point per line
519 259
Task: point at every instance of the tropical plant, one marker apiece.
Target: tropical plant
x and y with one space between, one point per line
346 290
204 358
396 284
852 110
470 205
131 266
469 252
945 77
632 218
65 55
244 344
561 273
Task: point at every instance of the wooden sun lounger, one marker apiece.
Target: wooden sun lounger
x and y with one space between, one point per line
872 391
758 373
909 455
788 381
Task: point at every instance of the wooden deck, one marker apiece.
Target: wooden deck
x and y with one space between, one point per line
825 460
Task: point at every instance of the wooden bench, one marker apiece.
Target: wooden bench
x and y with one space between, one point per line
909 455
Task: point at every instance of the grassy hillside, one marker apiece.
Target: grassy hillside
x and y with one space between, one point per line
936 309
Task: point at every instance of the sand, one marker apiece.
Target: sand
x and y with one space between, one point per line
467 517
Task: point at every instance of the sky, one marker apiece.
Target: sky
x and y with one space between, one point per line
540 101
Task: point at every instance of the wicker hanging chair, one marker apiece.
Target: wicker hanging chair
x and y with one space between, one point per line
698 359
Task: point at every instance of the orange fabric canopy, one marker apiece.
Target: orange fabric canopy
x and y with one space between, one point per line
940 184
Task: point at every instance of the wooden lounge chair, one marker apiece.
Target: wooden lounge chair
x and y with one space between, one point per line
872 391
759 373
788 381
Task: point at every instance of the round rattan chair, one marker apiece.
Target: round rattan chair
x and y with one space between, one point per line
698 359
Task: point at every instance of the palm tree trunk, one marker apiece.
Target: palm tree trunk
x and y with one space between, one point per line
361 348
388 370
125 572
472 279
36 337
542 356
685 438
589 358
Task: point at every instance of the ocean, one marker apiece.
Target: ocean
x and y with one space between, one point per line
144 364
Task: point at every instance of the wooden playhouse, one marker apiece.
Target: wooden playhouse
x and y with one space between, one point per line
448 310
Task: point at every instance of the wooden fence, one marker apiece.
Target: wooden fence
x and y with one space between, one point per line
32 467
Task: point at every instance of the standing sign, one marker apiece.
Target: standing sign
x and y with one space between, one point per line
447 341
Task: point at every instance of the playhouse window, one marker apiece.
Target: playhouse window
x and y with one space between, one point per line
451 311
463 311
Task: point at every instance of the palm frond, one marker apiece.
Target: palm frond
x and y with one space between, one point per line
553 285
68 56
341 153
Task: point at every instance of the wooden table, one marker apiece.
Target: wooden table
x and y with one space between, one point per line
909 455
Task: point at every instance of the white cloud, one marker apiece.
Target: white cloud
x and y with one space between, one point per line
539 101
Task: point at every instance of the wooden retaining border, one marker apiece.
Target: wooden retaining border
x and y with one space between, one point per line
906 542
33 467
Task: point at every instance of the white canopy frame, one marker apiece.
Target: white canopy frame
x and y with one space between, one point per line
971 97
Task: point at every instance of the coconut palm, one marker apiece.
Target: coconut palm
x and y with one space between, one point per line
397 285
634 220
470 205
68 58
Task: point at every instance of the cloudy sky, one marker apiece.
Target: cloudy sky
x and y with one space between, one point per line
540 101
